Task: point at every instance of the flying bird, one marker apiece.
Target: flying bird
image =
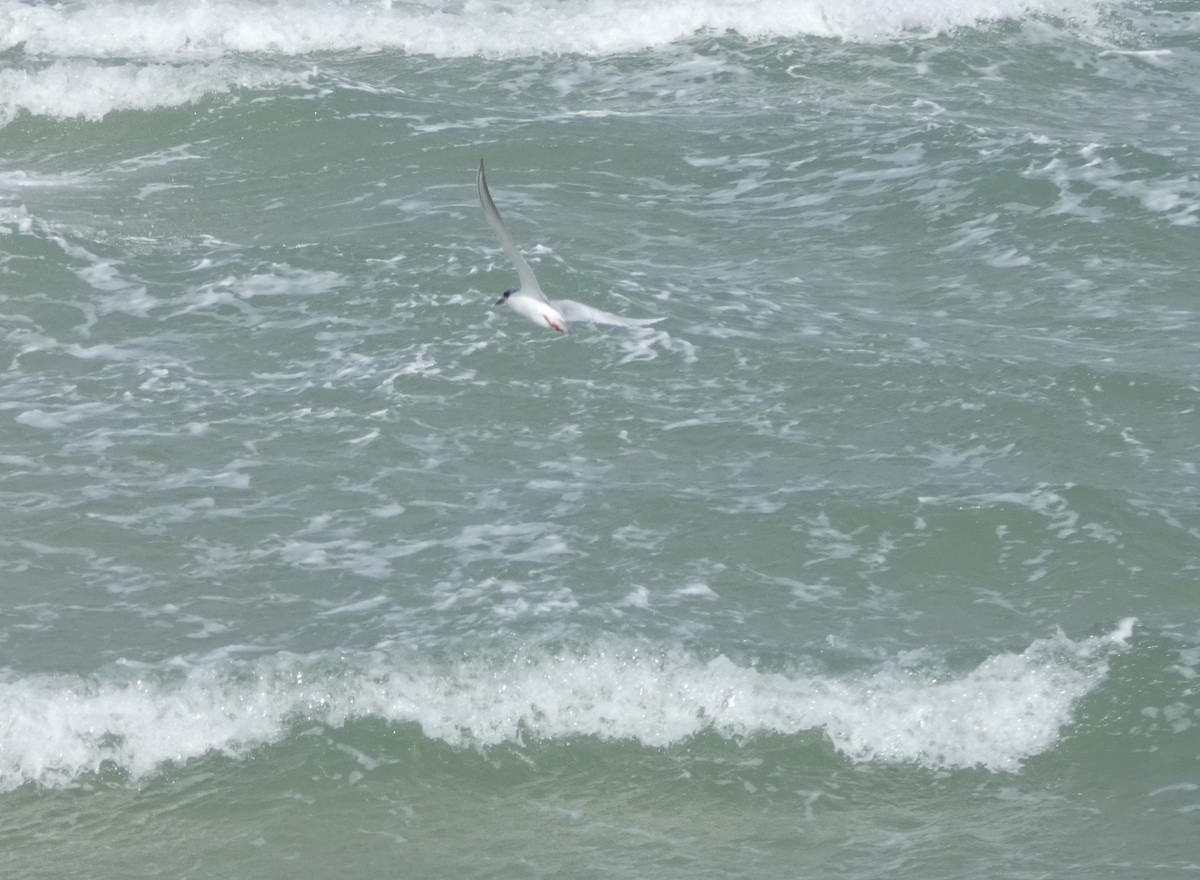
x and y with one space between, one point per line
528 299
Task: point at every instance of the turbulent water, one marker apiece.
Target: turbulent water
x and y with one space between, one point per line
879 556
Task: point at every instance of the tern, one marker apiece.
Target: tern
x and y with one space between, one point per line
528 299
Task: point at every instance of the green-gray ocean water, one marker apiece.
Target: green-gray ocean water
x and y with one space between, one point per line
877 557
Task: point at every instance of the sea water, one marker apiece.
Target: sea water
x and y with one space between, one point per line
879 556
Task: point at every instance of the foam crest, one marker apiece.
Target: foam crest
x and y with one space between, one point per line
1008 709
81 88
173 29
58 730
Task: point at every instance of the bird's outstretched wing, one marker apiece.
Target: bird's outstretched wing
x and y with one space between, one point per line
529 284
577 311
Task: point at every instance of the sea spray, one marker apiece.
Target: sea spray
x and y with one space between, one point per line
1009 708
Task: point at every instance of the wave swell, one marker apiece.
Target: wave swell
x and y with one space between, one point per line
171 30
1011 707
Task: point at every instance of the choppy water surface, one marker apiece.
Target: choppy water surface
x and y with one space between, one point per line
878 556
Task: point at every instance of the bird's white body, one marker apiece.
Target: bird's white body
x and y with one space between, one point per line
528 299
540 311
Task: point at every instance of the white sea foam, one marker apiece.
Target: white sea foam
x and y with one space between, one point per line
1006 710
83 88
88 59
173 29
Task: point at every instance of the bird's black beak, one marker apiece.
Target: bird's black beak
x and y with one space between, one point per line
501 300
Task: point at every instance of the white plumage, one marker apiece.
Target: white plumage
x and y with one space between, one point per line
528 299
